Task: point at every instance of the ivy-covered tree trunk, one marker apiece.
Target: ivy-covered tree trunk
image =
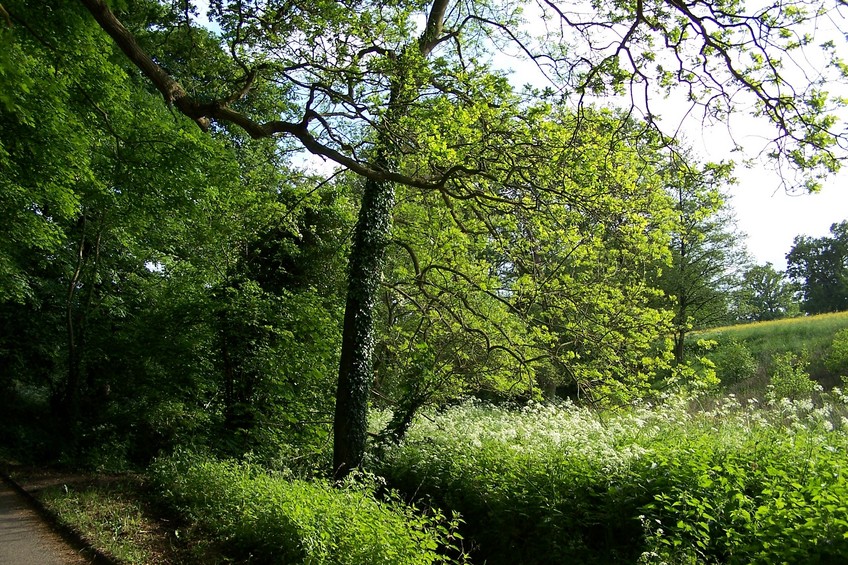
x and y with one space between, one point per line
371 236
370 239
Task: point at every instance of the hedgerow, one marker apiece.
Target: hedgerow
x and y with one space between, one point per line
655 484
272 518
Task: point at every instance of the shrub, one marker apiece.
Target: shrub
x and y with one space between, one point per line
535 485
547 484
733 361
782 506
789 378
836 359
277 519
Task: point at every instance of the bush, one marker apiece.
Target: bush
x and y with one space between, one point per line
733 361
276 519
781 506
836 359
533 484
790 378
658 484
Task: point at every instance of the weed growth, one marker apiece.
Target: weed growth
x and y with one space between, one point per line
108 518
790 378
563 484
274 518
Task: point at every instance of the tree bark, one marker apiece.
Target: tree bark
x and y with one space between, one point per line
681 329
679 346
371 236
373 225
70 396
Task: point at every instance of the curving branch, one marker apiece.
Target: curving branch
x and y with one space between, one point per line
432 35
204 113
6 16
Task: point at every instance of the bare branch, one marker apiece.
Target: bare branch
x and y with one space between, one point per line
203 113
6 16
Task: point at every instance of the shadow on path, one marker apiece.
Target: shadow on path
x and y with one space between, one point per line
24 537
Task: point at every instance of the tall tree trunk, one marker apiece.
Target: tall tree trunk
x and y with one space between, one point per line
681 320
371 236
372 228
229 376
370 239
679 344
70 395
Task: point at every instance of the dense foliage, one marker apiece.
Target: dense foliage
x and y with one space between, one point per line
545 484
341 206
820 266
765 294
278 519
706 253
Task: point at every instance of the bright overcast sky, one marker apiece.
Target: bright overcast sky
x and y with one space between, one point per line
771 218
768 215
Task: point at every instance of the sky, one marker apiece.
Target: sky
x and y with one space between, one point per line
771 218
767 215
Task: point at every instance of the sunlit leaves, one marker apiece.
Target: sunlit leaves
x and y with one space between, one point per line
720 56
547 255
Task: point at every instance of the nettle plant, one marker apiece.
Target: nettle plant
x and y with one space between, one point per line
836 359
660 483
276 518
790 378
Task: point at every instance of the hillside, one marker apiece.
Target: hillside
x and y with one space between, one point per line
810 336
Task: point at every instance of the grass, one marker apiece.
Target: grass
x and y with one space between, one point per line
819 323
110 519
812 335
791 334
115 514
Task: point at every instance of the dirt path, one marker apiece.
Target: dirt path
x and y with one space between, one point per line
24 537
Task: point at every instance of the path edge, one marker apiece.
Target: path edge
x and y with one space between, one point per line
68 533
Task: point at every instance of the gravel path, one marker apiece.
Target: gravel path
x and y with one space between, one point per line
24 537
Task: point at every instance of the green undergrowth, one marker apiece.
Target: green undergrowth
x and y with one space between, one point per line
655 484
108 519
115 515
263 517
808 336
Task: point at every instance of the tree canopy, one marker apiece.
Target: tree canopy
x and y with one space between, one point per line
765 294
706 250
505 240
820 266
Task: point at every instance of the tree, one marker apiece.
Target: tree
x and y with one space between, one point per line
361 87
705 250
765 294
136 245
577 253
81 189
543 287
820 266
